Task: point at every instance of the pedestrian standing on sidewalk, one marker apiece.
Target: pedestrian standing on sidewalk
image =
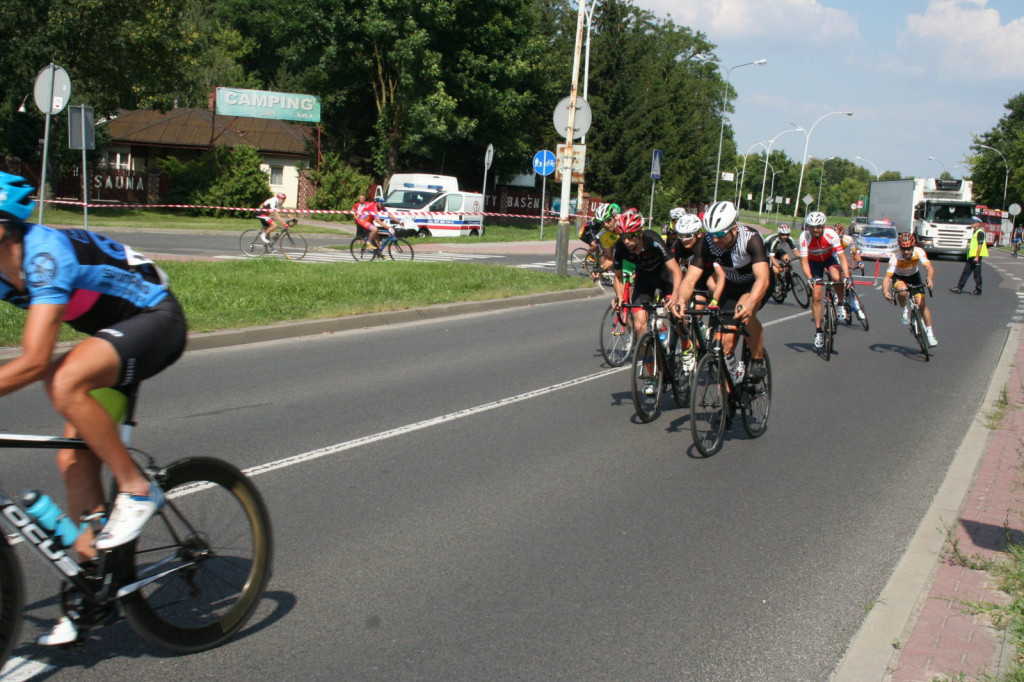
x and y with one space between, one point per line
977 250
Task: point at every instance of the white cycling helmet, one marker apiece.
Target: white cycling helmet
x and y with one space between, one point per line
687 225
783 229
720 216
677 213
814 219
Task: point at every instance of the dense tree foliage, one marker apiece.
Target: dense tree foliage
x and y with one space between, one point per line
426 85
988 170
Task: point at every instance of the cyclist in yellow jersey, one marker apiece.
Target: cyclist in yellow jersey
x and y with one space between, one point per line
905 270
598 236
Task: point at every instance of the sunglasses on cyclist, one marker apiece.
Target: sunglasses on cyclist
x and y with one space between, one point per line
720 234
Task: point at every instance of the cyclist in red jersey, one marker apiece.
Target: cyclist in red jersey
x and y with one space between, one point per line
821 251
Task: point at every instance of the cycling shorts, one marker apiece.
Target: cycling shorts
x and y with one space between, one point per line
644 288
149 341
818 267
913 279
734 290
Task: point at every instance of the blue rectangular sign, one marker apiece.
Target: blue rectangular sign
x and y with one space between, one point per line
282 106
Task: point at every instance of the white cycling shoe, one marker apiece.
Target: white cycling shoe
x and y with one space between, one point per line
128 517
64 632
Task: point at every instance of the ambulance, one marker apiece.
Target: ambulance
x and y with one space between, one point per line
434 206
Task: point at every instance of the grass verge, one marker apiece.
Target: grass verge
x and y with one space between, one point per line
246 293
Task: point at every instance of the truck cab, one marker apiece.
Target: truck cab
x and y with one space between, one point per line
943 216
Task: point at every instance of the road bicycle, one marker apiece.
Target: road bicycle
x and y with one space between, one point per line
829 315
587 262
391 246
287 242
188 583
790 281
715 396
916 317
617 329
854 306
658 361
1016 247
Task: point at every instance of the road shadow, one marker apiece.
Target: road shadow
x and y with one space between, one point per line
990 536
912 353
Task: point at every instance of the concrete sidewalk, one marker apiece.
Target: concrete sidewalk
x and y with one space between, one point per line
920 629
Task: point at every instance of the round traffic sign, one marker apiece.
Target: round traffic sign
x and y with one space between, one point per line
52 90
581 124
544 162
1014 209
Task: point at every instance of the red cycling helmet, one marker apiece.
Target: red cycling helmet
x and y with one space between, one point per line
906 240
281 196
629 222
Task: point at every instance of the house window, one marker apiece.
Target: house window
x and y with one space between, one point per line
277 175
119 160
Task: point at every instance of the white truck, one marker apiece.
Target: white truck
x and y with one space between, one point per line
938 211
433 205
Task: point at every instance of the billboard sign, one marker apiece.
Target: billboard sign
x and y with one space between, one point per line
283 106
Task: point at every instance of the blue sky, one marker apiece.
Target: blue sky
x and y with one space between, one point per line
920 76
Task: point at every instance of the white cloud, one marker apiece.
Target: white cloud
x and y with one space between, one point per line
802 20
965 38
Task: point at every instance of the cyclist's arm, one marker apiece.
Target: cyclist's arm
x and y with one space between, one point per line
931 273
749 303
844 265
717 282
676 299
39 337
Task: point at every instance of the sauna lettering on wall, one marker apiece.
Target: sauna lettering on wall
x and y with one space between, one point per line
118 186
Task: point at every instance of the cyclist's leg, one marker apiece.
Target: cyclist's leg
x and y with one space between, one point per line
119 355
817 272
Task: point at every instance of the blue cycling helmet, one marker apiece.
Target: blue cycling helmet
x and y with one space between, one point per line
14 197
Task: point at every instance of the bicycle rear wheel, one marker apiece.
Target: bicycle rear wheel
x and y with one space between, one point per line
578 258
779 291
801 294
708 405
12 596
360 250
251 244
399 249
616 337
757 401
648 377
292 245
208 552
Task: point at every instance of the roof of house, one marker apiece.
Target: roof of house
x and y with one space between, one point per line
192 128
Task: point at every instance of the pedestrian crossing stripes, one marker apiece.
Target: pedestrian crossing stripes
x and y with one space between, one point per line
335 256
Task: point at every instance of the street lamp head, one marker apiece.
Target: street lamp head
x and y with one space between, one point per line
761 62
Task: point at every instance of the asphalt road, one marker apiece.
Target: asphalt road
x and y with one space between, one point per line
478 501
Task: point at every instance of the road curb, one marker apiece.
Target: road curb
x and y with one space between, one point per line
871 653
289 330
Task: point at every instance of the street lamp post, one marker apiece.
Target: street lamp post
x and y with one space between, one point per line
872 165
725 99
932 158
1006 182
807 144
768 152
821 180
771 192
743 173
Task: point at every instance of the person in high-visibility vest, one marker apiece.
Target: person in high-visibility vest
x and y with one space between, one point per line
977 250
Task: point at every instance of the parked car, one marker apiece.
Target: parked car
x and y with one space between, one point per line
857 224
877 240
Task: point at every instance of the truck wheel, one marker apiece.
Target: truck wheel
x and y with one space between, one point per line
424 232
474 233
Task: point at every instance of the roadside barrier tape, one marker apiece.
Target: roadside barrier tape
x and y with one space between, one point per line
305 211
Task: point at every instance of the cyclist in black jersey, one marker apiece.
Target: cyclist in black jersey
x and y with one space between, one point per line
655 269
741 253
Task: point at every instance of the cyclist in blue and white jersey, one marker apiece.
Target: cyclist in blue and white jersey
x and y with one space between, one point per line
136 327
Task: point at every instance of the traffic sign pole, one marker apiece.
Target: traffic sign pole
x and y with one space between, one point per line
543 165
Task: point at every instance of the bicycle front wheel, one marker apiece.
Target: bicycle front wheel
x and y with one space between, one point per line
251 244
203 561
292 245
829 326
757 401
917 327
360 250
399 249
779 290
649 377
708 405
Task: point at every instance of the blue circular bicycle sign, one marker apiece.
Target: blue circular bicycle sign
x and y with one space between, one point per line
544 162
